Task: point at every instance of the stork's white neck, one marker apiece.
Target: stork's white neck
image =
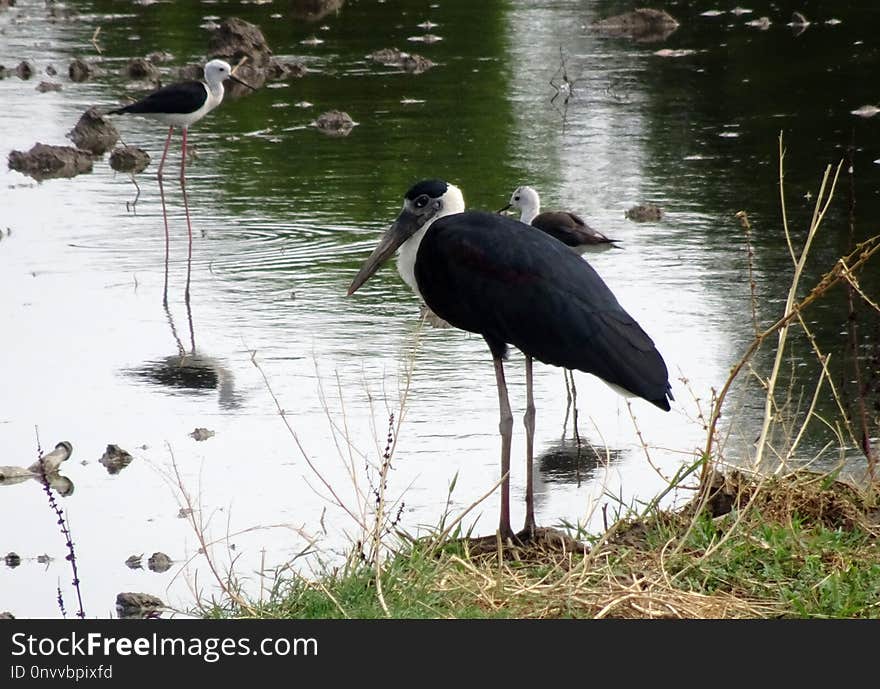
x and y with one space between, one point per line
453 202
406 258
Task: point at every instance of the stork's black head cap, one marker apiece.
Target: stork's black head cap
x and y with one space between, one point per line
435 188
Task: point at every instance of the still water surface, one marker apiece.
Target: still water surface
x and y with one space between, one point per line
283 217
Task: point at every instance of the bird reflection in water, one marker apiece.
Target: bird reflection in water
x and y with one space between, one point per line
187 371
571 462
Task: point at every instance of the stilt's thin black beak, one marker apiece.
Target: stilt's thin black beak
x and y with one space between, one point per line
402 229
501 210
239 81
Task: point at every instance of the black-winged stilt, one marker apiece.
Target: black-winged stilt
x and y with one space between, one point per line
565 226
180 105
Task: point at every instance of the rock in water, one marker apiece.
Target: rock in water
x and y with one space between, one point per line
129 159
93 132
45 162
138 605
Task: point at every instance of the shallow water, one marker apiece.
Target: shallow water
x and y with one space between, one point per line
283 217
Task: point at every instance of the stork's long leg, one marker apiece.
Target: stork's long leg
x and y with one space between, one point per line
567 403
529 421
574 409
165 212
505 427
189 230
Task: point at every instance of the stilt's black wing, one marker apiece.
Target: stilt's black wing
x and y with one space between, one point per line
569 229
181 98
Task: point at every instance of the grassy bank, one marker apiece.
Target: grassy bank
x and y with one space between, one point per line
797 546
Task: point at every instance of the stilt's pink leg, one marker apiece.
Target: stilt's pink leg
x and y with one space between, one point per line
164 211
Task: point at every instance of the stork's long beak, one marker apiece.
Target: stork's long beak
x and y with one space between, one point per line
401 230
501 210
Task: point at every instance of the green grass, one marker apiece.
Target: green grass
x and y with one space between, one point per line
409 590
808 569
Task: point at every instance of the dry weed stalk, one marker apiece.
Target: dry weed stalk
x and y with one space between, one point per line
750 253
195 518
226 577
823 201
64 524
373 514
845 266
841 271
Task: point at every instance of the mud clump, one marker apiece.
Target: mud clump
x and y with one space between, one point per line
131 605
129 159
60 12
141 68
159 562
43 161
392 57
644 25
157 57
45 86
115 459
51 462
314 10
10 475
12 560
80 70
645 212
334 123
201 434
134 561
24 70
235 39
191 72
243 45
279 70
93 132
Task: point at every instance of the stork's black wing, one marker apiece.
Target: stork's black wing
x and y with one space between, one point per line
180 98
495 276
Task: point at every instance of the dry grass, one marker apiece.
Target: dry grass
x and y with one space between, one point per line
629 573
543 585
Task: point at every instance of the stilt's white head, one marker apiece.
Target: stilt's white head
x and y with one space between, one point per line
216 72
528 202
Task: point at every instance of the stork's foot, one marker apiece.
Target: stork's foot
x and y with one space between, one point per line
548 539
528 543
